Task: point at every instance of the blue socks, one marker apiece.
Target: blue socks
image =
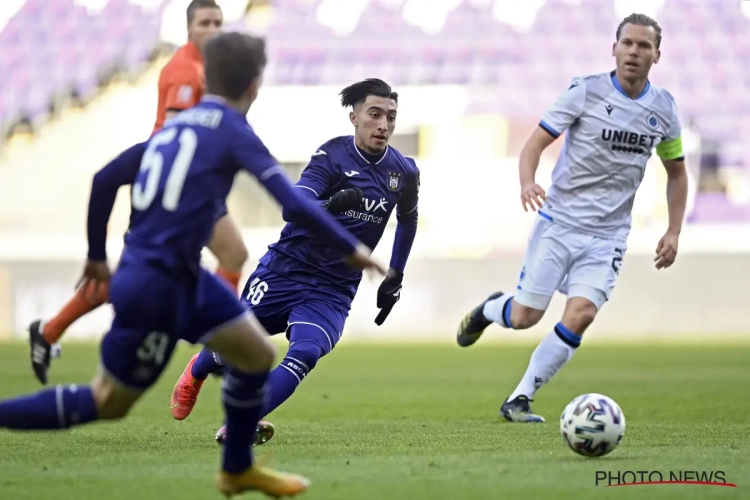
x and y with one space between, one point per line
243 395
284 379
208 362
282 382
59 407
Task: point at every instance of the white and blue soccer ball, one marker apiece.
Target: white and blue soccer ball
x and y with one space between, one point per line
592 425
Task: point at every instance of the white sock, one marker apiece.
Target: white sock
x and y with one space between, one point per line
493 310
549 356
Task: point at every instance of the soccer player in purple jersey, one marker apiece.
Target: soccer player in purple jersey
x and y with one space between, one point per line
301 287
160 292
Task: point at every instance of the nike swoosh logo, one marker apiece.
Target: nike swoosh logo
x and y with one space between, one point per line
174 405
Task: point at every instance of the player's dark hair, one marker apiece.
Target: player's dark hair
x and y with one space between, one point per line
357 93
232 61
199 4
640 20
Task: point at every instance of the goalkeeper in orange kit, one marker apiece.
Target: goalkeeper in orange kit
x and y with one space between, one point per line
181 85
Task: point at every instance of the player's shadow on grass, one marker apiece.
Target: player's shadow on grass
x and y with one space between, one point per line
591 460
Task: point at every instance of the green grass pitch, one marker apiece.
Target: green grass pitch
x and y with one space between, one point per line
408 422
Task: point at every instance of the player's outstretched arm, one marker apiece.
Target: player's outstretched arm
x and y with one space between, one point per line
119 172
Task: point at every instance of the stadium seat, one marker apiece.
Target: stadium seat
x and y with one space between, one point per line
55 47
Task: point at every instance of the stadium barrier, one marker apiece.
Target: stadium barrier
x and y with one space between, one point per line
703 297
470 241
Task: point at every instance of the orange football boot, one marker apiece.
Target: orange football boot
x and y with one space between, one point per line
185 393
259 478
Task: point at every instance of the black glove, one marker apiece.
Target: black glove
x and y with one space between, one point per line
389 292
346 199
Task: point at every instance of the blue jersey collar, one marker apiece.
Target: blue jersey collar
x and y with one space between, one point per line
618 87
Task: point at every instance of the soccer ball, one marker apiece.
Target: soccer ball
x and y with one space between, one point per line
592 425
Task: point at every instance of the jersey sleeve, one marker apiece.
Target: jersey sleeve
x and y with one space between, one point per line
183 89
119 172
122 170
319 175
410 200
670 148
251 155
566 110
407 217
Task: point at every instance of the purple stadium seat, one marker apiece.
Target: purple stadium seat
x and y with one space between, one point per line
706 52
53 46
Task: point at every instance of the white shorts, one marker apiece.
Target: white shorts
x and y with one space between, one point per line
562 259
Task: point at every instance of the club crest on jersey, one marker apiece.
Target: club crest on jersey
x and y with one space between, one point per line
652 121
394 181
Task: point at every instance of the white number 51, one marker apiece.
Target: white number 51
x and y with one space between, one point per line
153 162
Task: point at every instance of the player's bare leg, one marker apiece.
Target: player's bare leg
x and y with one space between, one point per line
249 355
227 245
552 353
113 400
